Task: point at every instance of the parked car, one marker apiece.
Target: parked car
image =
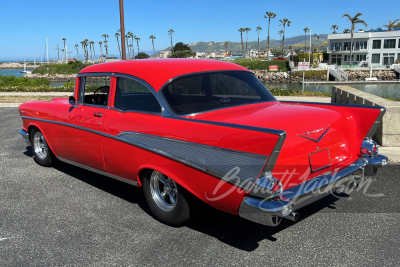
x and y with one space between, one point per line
280 58
187 130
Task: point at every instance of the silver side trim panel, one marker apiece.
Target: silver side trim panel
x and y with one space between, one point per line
214 160
99 172
25 136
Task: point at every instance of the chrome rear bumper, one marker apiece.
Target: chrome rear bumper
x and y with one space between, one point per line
257 209
25 136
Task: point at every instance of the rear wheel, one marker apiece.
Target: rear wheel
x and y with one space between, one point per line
41 150
169 202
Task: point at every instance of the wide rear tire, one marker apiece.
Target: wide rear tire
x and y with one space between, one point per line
169 202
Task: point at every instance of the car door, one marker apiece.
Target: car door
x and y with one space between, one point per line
80 126
135 108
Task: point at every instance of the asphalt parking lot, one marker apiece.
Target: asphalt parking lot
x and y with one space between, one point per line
69 216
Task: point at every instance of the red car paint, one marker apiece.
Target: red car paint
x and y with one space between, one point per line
347 128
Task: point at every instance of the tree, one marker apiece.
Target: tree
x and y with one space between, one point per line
280 40
334 28
92 47
226 44
392 24
119 47
142 55
77 52
132 46
247 34
170 32
241 30
284 23
305 38
183 54
354 21
105 42
127 43
152 37
137 42
270 16
128 35
101 48
181 47
258 42
65 51
346 31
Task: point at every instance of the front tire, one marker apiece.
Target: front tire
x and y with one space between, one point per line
41 150
169 202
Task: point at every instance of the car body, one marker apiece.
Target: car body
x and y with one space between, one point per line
189 129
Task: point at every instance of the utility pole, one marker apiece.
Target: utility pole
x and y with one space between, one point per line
58 52
121 18
309 55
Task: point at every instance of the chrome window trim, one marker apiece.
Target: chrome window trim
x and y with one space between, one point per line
205 170
124 180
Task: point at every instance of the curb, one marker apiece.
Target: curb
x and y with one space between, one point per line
9 105
393 153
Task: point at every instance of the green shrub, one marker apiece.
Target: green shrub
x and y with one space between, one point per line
252 64
310 74
73 67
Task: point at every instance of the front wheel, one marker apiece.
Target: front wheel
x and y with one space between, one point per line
41 150
169 202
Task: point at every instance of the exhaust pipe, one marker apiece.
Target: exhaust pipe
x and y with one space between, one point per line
293 216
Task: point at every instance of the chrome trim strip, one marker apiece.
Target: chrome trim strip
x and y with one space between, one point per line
332 104
99 172
377 122
25 136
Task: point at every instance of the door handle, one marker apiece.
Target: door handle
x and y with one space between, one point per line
98 114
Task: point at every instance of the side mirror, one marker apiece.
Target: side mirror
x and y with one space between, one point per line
71 100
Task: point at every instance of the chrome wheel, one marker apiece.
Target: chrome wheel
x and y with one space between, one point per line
40 145
163 191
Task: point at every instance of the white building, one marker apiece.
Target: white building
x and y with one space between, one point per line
165 54
372 48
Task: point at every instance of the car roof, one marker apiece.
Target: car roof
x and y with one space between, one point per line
157 72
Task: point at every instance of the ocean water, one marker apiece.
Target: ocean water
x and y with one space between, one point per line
16 73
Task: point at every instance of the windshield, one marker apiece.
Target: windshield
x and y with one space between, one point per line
207 91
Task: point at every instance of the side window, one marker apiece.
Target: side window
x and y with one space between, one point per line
94 90
133 95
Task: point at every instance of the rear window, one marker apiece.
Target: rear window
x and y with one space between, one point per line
208 91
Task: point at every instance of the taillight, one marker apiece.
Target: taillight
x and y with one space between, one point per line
369 148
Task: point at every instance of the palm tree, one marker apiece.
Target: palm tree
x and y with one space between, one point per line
132 36
101 48
137 41
270 16
334 28
170 32
127 42
94 52
90 48
77 52
247 34
258 42
241 30
119 48
152 37
284 23
280 38
346 31
105 42
305 38
65 51
226 44
391 25
354 20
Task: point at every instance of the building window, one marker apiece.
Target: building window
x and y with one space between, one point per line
389 43
388 58
357 45
338 46
377 44
399 43
363 44
398 57
376 58
346 46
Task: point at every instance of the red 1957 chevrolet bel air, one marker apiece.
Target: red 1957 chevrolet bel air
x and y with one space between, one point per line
188 129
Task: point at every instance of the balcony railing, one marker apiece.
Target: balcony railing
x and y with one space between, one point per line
347 49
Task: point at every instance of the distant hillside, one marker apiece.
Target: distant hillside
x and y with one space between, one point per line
237 47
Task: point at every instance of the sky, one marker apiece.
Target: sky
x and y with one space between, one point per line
24 25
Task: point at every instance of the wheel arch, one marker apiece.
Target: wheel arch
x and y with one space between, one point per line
32 126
